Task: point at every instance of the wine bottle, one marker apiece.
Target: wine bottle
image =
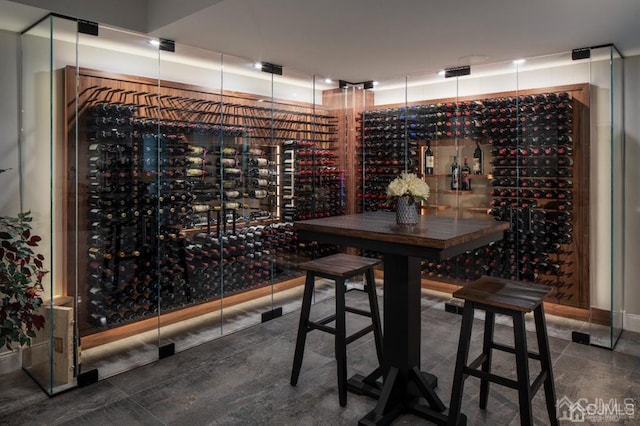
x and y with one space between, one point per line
260 162
195 172
455 174
258 193
478 162
465 180
429 160
260 172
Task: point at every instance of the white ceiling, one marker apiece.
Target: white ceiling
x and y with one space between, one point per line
357 40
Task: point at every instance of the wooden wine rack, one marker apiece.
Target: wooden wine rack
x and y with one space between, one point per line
212 127
567 268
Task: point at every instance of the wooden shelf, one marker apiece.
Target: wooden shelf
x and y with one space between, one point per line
437 207
480 210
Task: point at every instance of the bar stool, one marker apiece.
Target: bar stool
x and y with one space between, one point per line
339 268
500 296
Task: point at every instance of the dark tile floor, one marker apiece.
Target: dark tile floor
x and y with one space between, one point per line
243 379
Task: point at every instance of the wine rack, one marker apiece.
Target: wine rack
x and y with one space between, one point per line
528 147
384 153
181 195
313 185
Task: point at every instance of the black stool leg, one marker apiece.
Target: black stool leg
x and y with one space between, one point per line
489 324
522 368
545 363
302 327
341 342
455 404
375 313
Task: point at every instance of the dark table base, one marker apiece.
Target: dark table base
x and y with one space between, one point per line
394 401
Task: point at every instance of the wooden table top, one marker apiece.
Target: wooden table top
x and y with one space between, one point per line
432 234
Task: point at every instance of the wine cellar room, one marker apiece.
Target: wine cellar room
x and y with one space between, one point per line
164 181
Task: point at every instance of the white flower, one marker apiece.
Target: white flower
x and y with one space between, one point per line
397 188
408 184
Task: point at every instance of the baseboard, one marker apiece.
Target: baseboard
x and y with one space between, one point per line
10 361
631 322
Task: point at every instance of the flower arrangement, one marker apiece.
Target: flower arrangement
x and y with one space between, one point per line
410 185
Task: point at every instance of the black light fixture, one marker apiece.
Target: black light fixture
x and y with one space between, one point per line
457 71
581 53
87 27
271 68
343 84
167 45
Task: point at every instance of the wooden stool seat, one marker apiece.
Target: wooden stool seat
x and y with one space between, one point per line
338 267
503 293
512 298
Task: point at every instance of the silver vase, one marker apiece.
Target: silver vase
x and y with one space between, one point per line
406 211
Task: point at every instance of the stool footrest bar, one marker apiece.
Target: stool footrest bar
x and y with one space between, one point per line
511 350
322 327
359 334
539 380
357 311
492 378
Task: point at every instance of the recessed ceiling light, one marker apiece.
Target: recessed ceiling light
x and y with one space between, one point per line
154 42
328 80
519 61
375 83
257 65
441 72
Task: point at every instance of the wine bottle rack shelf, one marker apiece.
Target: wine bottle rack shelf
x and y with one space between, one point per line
182 194
533 172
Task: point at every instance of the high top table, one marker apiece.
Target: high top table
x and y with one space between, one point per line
403 247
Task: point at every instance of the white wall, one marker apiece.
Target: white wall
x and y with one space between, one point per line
10 194
632 212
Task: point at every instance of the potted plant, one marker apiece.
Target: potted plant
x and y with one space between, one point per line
21 274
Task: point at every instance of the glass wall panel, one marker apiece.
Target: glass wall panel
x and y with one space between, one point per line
553 98
115 99
307 182
247 154
618 191
385 144
37 141
608 195
190 186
